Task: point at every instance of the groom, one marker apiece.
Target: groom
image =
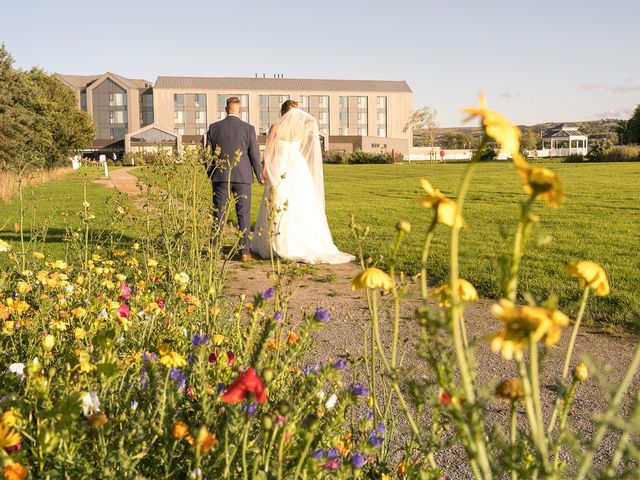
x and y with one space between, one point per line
230 135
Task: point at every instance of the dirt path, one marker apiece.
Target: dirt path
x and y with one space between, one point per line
122 180
330 287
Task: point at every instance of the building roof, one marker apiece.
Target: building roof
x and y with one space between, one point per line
238 84
80 82
563 130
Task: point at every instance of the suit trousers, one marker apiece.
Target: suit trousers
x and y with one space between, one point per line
242 194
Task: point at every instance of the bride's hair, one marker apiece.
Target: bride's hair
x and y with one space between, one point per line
288 105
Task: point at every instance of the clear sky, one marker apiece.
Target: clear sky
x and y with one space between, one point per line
536 61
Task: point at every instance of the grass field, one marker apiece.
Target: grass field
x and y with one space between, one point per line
52 208
599 221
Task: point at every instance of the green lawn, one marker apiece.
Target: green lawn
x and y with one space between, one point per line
598 221
53 208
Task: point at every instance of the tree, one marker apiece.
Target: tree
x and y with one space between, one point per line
425 118
457 140
529 141
629 131
39 122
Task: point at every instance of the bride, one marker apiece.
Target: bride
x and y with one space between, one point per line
292 222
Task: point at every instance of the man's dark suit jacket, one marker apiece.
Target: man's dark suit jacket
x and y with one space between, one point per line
232 134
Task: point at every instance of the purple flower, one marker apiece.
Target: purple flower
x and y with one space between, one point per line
310 369
191 359
332 453
179 377
14 294
322 315
197 340
375 440
221 388
144 378
250 408
380 428
368 415
277 316
359 390
318 454
268 293
332 464
149 357
358 460
340 364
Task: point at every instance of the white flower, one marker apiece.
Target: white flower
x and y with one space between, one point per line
331 402
197 473
86 204
102 313
90 403
4 246
17 369
69 288
321 394
134 405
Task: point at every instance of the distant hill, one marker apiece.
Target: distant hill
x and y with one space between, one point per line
593 128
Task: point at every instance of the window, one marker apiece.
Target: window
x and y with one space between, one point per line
200 100
362 102
344 102
344 117
179 131
245 116
324 118
382 118
324 132
117 133
83 101
201 117
264 116
264 101
382 132
201 131
323 101
382 103
117 99
117 116
304 102
178 100
283 98
363 131
178 116
222 101
375 145
344 131
221 115
362 118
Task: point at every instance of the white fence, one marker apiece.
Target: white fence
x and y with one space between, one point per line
560 152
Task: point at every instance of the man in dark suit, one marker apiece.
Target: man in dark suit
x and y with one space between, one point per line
229 136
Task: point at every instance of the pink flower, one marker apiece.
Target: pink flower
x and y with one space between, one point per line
125 291
333 464
160 303
123 311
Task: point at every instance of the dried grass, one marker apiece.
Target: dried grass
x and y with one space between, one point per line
9 180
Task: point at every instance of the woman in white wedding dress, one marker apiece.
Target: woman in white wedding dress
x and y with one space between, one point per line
292 222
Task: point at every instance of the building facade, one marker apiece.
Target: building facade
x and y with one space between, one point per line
352 114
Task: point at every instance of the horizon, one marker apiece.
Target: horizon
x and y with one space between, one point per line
561 73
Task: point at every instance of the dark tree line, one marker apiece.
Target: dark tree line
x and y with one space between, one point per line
40 123
629 130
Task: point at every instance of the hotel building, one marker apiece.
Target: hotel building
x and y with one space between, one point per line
132 115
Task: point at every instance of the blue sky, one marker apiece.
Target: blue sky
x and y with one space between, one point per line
535 60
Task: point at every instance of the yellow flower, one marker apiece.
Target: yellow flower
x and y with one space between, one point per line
181 278
23 288
445 207
466 291
581 372
524 323
84 362
497 126
180 430
372 278
48 342
172 359
79 333
590 274
10 418
4 246
15 471
59 264
8 437
217 339
78 312
38 255
542 183
152 263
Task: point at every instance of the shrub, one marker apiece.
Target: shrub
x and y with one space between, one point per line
574 158
360 157
622 153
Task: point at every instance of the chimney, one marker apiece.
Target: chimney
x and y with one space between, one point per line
264 75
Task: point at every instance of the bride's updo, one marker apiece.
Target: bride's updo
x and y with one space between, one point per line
288 105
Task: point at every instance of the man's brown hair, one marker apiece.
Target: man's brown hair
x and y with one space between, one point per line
231 100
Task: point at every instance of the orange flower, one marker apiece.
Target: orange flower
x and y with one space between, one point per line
292 338
15 471
180 430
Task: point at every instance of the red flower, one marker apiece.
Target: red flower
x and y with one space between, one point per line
444 398
247 384
160 303
123 311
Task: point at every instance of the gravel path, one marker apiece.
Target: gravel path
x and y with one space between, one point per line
330 287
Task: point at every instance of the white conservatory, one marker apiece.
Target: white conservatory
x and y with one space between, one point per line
562 140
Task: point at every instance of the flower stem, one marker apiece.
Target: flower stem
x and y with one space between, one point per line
424 283
513 437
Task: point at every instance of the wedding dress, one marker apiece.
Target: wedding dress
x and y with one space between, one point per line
292 221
